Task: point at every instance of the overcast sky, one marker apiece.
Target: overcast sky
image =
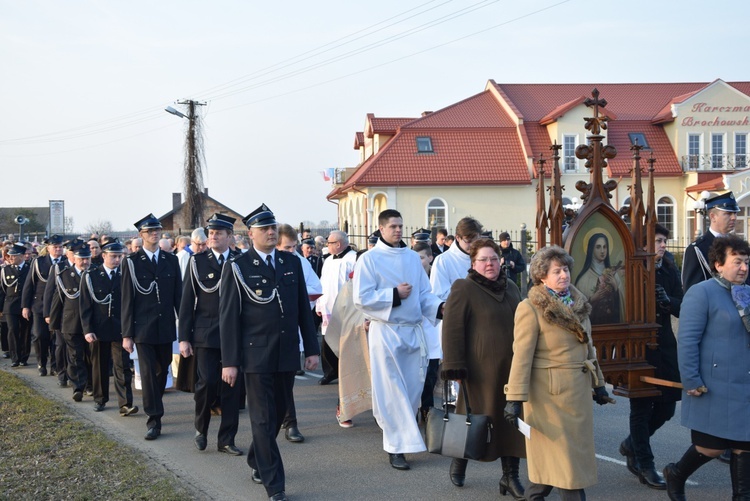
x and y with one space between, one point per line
287 84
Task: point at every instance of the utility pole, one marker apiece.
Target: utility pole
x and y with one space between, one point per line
194 161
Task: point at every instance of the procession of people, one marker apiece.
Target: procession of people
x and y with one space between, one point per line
102 311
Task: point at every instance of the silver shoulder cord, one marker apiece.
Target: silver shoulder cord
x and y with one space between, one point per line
38 274
62 290
703 262
141 290
250 293
107 299
5 281
194 271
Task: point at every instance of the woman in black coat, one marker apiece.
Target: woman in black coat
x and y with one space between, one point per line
649 414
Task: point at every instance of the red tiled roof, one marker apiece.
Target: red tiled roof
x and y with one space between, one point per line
561 110
386 126
540 142
481 157
479 111
665 114
635 101
617 135
716 184
359 140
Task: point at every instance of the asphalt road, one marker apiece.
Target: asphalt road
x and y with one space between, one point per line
336 463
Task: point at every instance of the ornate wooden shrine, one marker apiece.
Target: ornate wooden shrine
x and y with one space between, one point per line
613 267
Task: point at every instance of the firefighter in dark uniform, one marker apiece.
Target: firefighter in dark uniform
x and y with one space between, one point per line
61 350
198 332
722 213
100 318
32 302
65 316
151 292
263 308
12 278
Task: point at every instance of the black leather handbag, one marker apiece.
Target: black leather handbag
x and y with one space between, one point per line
457 435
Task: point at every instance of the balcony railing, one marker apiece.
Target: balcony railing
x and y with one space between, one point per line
714 162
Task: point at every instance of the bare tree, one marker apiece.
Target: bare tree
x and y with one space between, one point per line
99 227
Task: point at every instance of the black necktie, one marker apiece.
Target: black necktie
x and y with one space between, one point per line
112 274
221 259
269 262
153 260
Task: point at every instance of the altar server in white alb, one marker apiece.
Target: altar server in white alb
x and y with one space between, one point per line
455 262
392 290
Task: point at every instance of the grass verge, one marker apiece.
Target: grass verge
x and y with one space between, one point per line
47 454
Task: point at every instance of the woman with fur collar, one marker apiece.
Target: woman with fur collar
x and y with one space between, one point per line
553 371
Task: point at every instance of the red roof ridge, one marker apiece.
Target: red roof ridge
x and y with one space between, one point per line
507 99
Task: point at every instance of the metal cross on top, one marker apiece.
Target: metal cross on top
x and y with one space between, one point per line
596 123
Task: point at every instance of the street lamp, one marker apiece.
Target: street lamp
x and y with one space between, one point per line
175 112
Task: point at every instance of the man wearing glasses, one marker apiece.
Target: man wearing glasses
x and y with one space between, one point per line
336 272
151 293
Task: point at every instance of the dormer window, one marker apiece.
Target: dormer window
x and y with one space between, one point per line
639 137
424 145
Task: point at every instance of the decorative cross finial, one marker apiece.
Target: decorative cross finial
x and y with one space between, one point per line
596 123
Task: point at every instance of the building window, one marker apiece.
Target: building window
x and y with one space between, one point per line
694 151
665 214
740 150
424 145
436 211
717 151
640 139
570 163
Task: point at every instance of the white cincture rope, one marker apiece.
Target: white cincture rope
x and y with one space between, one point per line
251 294
62 290
207 290
141 290
9 285
107 299
38 273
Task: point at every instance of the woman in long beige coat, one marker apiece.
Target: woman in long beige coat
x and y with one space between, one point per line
553 371
477 349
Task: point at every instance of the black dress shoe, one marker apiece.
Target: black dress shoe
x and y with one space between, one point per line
652 479
127 410
52 372
62 384
89 392
42 371
398 461
632 464
255 475
293 435
15 364
326 380
152 434
23 364
6 354
231 450
78 395
279 496
98 407
200 441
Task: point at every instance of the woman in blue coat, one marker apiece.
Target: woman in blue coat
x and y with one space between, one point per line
714 358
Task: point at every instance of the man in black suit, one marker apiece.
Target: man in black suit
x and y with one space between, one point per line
722 214
61 350
100 305
438 247
263 305
198 332
32 302
151 292
65 317
12 278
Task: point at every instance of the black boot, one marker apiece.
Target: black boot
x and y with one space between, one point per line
739 465
676 474
509 482
458 471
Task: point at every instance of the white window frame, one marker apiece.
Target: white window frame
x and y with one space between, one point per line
570 162
427 212
694 159
672 225
741 159
717 159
